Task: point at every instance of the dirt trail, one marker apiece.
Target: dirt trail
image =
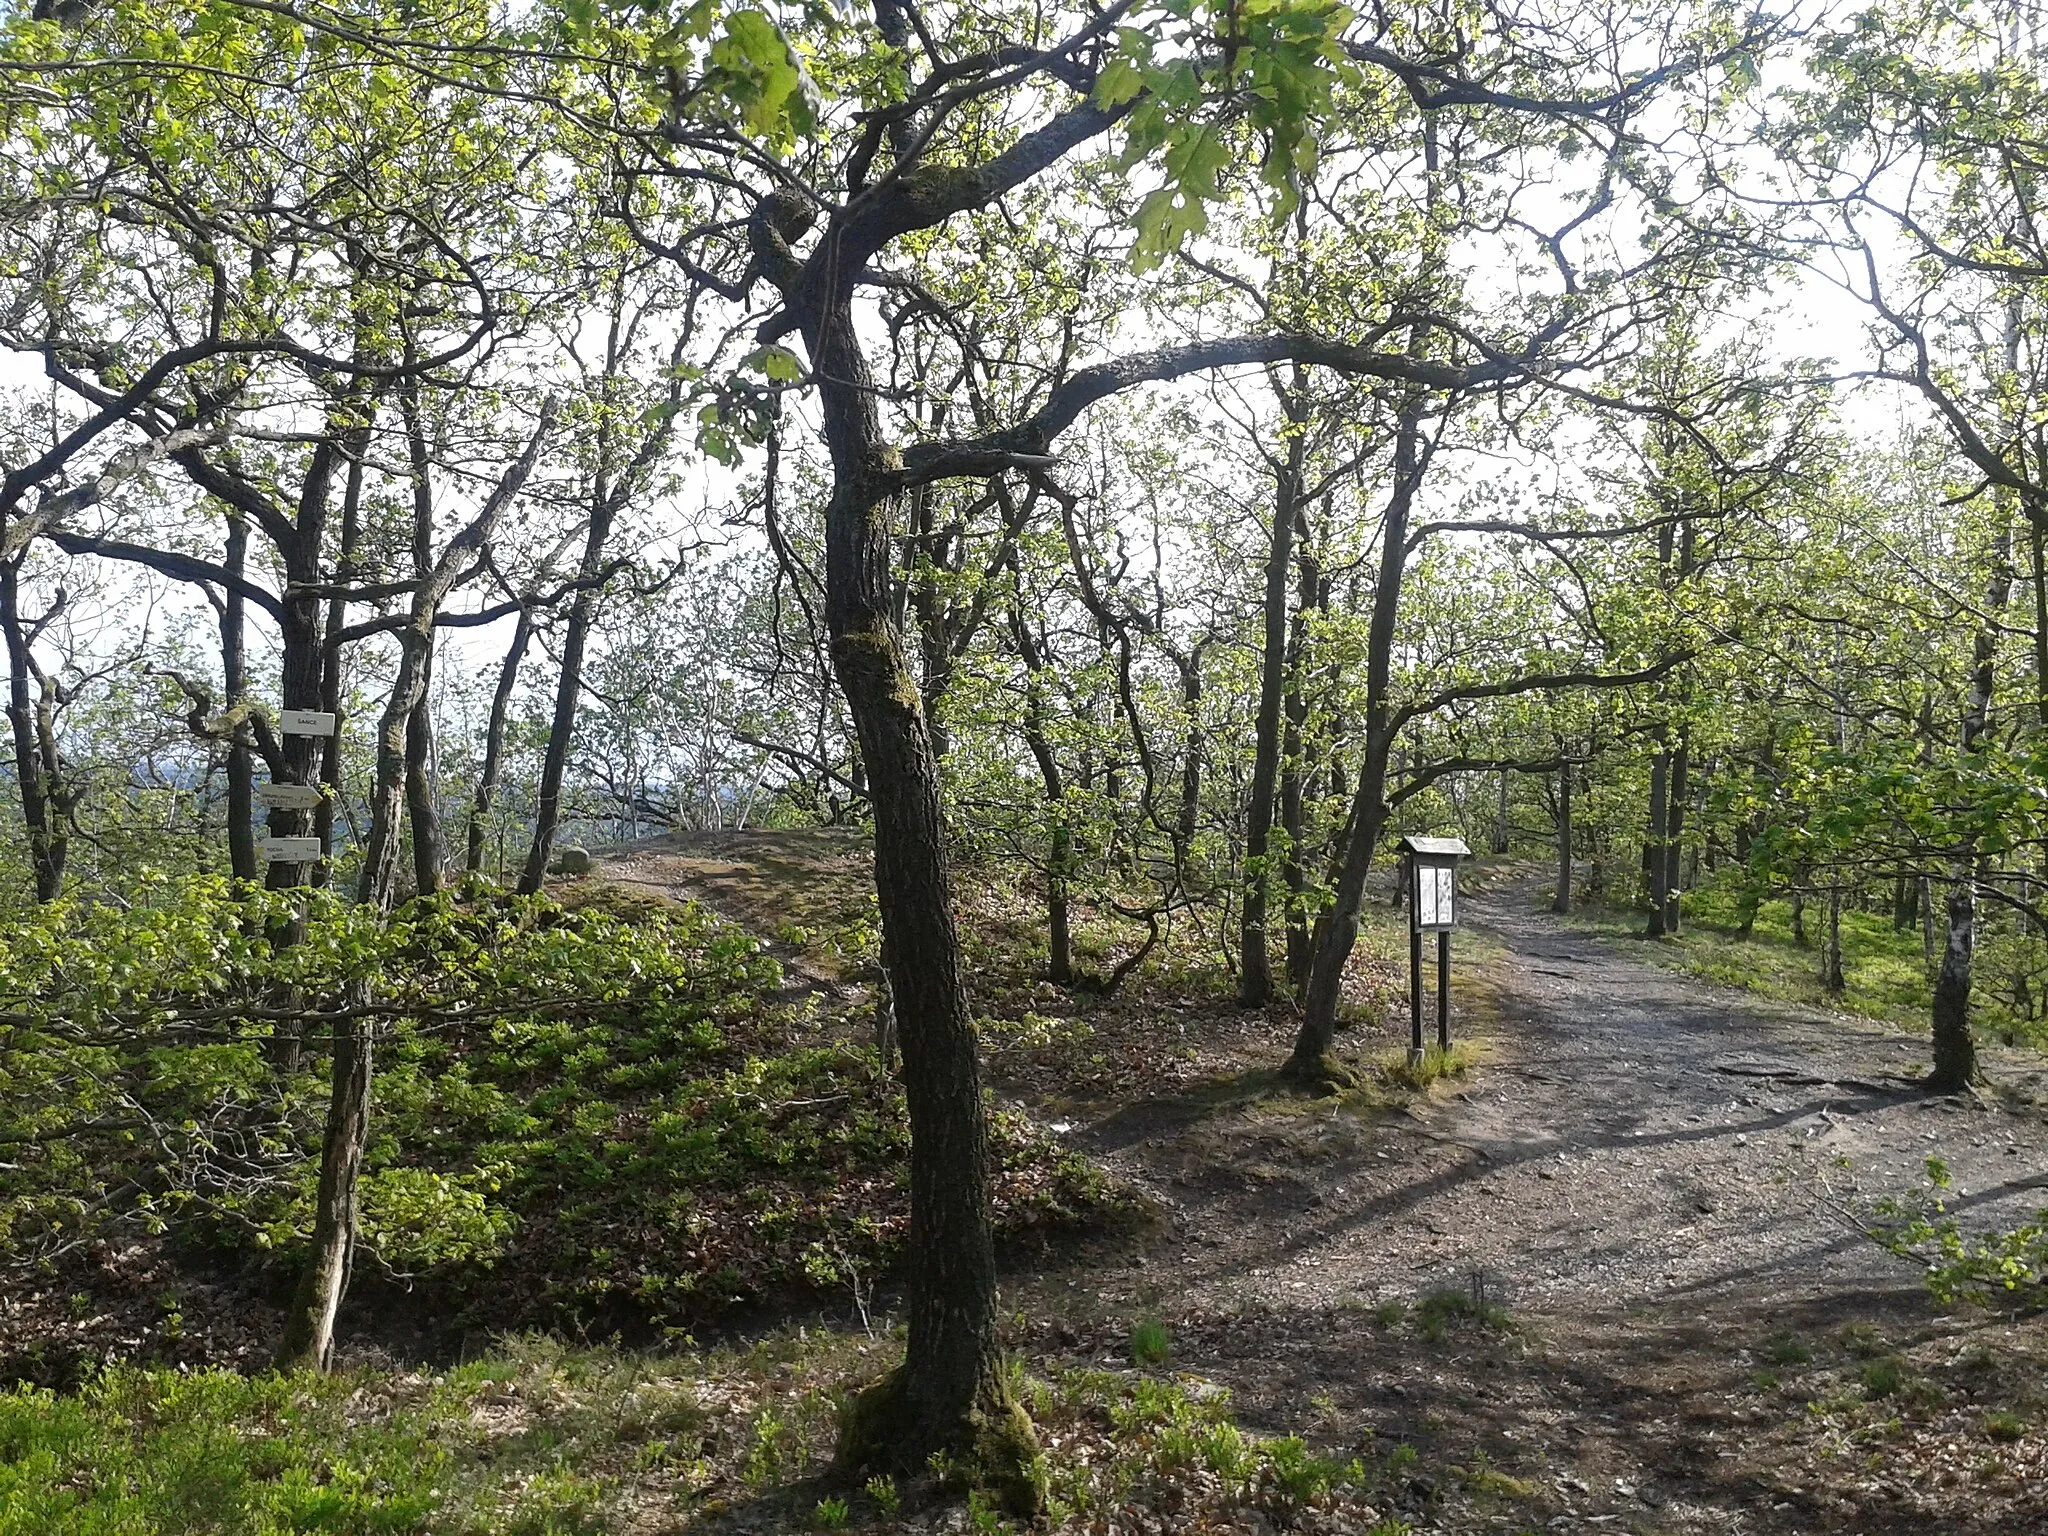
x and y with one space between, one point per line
1634 1135
1650 1173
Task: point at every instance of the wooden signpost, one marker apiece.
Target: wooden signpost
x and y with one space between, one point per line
1432 864
288 797
289 850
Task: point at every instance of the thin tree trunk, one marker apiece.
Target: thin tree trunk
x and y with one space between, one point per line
234 666
357 448
1955 1048
1656 866
547 807
1293 746
422 807
1674 828
494 738
1337 932
1255 977
308 1342
1831 951
395 774
1500 824
33 776
1561 893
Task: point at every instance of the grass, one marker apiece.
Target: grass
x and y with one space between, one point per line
1151 1344
1438 1312
1398 1071
1883 970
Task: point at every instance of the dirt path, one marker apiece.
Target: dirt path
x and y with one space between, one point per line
1648 1173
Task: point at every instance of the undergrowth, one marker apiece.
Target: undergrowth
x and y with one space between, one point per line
543 1440
585 1118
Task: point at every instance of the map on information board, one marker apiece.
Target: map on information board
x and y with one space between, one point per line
1434 893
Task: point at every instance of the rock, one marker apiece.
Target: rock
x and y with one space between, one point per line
570 860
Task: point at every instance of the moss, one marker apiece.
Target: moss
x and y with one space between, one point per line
994 1449
1322 1074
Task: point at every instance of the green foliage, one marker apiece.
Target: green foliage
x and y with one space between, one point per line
1960 1265
581 1114
215 1451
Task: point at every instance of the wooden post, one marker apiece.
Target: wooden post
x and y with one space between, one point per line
1443 989
1414 996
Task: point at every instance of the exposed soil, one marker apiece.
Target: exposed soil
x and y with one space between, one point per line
1657 1180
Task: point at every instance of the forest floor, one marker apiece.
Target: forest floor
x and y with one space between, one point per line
1611 1277
1649 1187
1608 1274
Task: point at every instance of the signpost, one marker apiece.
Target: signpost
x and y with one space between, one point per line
289 850
1432 865
288 797
305 722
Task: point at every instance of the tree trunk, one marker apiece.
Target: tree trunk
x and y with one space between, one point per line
1337 932
1955 1050
358 447
1500 823
1060 856
308 1342
1561 893
1255 978
1311 595
1831 951
950 1393
1656 864
33 776
376 884
1674 828
422 806
494 738
234 668
547 807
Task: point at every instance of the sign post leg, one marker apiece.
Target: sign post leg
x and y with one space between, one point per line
1414 996
1443 989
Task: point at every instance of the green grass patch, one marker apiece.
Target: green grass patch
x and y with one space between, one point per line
1398 1071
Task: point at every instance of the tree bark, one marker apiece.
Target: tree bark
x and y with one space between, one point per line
1674 828
422 807
1656 860
1831 976
1955 1048
1310 595
398 774
1561 893
1254 976
1337 932
35 777
308 1342
234 667
357 448
1060 853
494 738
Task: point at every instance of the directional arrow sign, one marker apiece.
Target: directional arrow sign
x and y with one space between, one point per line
306 722
288 797
289 850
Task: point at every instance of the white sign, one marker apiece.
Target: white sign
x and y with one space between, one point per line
289 850
288 797
306 722
1435 893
